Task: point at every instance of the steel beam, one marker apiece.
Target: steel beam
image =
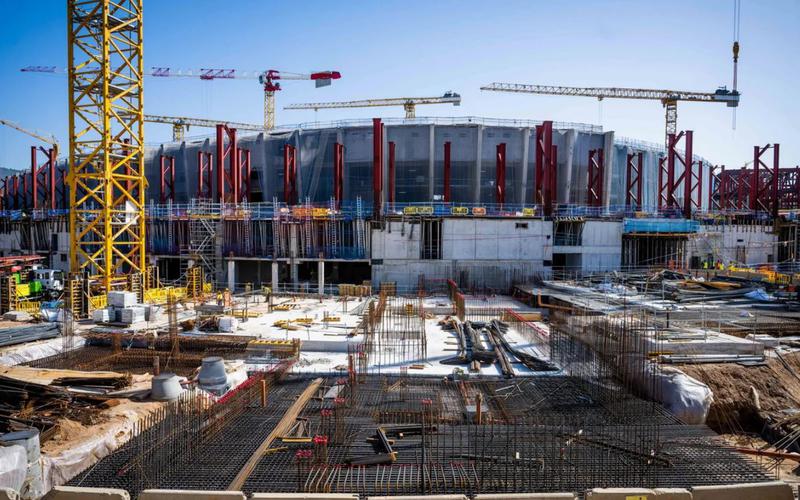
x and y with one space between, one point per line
245 173
594 177
290 175
377 167
391 174
106 174
545 171
228 182
447 172
764 181
338 173
205 176
167 178
633 181
500 174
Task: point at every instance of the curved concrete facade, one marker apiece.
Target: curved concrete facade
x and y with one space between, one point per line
419 160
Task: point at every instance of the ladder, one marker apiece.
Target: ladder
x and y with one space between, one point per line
333 244
194 282
8 294
308 221
277 240
203 236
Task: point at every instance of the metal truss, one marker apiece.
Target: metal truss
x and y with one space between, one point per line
106 149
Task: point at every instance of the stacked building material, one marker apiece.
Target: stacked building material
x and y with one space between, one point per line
13 336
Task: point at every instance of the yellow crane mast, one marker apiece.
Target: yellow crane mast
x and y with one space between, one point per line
106 140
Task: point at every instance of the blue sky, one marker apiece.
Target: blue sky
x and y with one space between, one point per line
399 48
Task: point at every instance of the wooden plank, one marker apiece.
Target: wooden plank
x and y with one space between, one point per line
286 423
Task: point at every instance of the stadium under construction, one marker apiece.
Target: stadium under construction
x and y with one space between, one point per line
486 202
461 308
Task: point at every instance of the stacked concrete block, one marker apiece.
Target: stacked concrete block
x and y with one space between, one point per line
122 299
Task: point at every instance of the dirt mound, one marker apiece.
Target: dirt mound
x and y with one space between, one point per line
745 398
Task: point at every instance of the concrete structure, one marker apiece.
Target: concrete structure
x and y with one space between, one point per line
481 251
419 163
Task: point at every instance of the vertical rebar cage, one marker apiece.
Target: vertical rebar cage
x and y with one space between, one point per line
106 146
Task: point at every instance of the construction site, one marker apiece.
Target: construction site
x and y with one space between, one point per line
421 307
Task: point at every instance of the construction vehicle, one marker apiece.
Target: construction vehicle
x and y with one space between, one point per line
409 103
31 280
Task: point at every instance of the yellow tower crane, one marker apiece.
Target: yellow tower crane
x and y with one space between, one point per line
409 103
106 140
180 124
47 139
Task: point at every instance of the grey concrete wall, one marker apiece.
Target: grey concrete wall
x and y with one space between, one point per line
759 244
419 163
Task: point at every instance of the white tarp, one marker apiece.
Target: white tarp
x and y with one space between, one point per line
23 353
13 467
685 397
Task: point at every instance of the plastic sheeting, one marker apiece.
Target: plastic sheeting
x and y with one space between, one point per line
13 467
61 466
35 350
685 397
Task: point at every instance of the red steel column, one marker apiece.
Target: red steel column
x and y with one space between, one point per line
34 178
377 166
545 167
162 198
51 173
390 194
245 171
447 146
775 172
220 160
235 175
687 174
500 173
289 172
338 174
64 199
594 178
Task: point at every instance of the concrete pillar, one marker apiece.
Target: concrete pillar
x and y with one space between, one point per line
566 184
321 276
231 275
526 144
608 162
275 275
476 177
431 161
294 272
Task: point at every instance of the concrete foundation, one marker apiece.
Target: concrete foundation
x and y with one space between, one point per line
638 494
191 495
776 490
78 493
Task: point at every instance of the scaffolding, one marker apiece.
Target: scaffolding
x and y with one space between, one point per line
203 248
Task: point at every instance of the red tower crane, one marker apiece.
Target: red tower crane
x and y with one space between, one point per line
269 79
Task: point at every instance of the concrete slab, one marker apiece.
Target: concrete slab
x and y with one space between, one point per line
304 496
774 490
78 493
638 494
190 495
526 496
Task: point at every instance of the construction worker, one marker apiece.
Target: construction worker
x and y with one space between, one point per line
705 264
